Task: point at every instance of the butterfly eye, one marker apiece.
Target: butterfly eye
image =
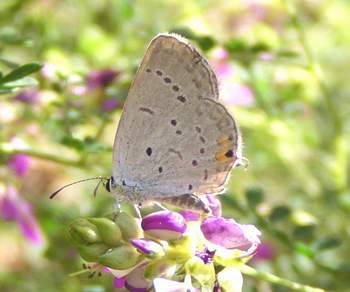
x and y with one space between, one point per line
109 184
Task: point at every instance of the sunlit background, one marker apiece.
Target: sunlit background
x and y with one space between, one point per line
283 68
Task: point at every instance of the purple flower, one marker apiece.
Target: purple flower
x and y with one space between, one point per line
190 215
101 78
110 104
165 225
236 94
28 96
210 201
220 63
206 255
264 252
118 282
213 203
229 234
13 207
19 163
265 56
146 246
135 280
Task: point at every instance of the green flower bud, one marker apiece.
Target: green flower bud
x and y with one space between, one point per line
83 232
108 230
129 226
181 250
120 258
92 252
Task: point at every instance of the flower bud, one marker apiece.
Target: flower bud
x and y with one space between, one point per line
92 252
148 247
120 258
83 232
190 215
164 225
108 230
129 226
101 78
136 281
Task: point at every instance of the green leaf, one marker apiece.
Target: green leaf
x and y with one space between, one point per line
73 143
236 45
282 236
260 47
279 213
304 232
328 243
24 82
304 250
20 72
254 196
287 54
205 42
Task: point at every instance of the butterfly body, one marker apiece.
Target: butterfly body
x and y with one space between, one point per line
174 137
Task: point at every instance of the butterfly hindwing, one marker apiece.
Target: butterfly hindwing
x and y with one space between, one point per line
173 136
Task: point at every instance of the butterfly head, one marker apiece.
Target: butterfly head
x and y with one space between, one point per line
110 184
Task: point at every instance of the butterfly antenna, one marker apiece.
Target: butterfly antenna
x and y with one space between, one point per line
76 182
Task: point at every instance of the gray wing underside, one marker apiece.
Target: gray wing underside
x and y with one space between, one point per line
173 136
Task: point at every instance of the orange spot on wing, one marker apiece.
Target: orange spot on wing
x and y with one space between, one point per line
224 141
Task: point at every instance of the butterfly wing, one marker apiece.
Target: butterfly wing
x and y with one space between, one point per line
173 136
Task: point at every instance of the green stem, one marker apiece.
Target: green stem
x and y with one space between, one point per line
314 67
7 149
247 270
79 272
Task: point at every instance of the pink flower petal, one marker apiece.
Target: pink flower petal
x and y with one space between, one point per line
229 234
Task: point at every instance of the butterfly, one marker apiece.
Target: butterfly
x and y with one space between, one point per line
175 141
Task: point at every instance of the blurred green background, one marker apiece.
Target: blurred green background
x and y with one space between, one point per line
283 68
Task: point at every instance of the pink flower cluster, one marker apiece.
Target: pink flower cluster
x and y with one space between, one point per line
168 226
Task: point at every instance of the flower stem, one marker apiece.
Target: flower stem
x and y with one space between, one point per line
8 149
314 67
247 270
79 272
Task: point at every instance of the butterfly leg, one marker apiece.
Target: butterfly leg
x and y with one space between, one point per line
187 201
159 205
137 210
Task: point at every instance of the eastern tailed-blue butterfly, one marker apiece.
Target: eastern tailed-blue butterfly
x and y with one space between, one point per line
174 141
